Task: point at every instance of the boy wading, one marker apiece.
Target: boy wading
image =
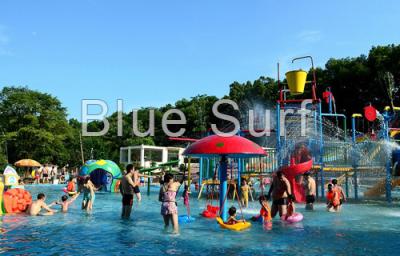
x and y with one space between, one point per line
127 191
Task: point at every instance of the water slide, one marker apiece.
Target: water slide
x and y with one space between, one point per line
168 166
294 170
379 188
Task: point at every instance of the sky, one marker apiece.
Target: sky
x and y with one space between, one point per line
151 53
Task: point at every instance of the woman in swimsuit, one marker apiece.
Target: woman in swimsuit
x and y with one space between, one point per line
167 196
88 194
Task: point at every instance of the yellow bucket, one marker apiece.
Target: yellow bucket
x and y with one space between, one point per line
296 80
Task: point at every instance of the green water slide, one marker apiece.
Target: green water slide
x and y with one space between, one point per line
164 166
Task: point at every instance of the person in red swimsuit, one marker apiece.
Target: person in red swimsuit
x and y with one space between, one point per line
332 199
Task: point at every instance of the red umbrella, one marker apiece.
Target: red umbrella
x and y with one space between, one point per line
233 146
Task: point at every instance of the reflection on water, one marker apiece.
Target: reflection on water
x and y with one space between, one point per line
359 230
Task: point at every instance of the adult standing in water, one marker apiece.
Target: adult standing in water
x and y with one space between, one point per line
88 194
127 190
310 190
280 190
167 196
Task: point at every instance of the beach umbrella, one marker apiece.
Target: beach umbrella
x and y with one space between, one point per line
224 147
27 163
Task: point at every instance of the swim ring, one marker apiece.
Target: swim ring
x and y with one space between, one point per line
236 227
296 217
70 193
16 200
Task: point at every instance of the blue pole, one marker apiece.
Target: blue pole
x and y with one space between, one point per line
321 149
239 179
353 129
223 168
200 172
353 137
388 184
278 134
210 168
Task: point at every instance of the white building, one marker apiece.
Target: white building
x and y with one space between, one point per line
144 155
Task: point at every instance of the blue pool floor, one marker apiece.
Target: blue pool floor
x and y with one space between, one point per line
360 229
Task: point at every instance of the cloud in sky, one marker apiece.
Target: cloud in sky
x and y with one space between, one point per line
309 36
4 40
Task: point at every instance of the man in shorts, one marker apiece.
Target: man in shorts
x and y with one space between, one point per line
309 190
280 190
127 190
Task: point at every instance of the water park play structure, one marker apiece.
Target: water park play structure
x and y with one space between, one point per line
105 174
225 147
327 148
13 197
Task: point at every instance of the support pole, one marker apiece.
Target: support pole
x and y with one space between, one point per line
353 137
388 184
321 149
239 178
278 134
200 172
81 144
223 187
148 184
189 174
316 185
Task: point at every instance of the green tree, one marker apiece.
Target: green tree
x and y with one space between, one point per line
34 125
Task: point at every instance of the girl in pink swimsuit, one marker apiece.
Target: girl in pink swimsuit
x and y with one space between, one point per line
169 209
168 204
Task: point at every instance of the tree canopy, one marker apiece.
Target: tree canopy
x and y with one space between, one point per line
35 125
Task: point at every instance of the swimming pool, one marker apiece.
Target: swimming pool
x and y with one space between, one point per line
361 229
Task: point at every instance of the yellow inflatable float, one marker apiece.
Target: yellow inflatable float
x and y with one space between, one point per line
236 227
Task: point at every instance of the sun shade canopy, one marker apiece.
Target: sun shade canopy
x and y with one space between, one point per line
27 163
233 146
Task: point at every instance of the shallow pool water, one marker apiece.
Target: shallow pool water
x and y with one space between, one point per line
360 229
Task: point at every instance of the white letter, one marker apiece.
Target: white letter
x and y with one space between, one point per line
135 124
267 129
86 117
165 122
225 117
304 111
283 114
119 117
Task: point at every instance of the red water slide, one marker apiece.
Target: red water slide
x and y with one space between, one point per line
294 170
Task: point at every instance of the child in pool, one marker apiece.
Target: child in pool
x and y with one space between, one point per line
71 185
332 199
291 209
265 211
185 195
245 193
65 203
232 216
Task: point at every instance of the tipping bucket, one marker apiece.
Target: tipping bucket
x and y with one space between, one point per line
296 80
